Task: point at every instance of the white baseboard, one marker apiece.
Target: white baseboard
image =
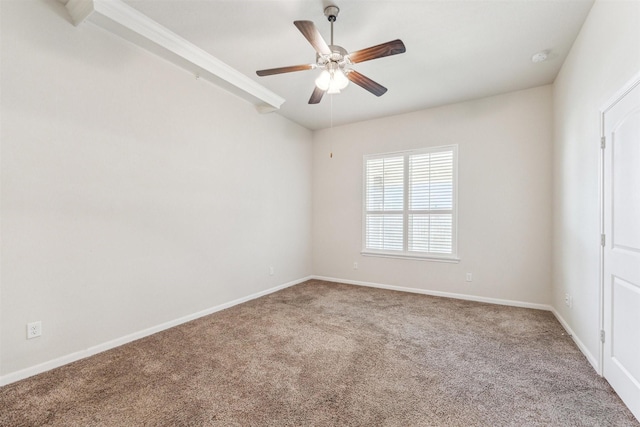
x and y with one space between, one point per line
72 357
82 354
439 293
583 348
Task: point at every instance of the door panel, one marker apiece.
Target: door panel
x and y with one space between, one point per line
625 171
625 340
621 254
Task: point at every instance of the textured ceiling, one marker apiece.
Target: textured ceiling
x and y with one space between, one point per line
456 50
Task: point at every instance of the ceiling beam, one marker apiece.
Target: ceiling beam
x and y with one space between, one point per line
121 19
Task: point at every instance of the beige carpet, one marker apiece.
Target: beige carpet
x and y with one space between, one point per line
321 354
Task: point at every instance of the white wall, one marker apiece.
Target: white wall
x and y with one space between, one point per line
132 194
504 185
604 57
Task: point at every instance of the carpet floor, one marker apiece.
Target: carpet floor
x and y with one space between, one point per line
328 354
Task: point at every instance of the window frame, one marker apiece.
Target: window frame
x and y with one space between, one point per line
405 253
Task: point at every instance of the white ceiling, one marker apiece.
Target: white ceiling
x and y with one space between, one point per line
456 50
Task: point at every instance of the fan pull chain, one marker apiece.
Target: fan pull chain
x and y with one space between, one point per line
331 98
331 113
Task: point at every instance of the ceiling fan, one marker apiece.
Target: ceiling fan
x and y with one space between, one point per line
335 61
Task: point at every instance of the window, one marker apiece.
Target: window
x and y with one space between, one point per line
410 204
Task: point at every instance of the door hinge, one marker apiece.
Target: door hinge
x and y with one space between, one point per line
602 335
603 239
603 142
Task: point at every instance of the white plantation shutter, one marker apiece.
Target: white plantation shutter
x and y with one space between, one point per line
431 202
409 206
385 203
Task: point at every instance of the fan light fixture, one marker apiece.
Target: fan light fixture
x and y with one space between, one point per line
332 80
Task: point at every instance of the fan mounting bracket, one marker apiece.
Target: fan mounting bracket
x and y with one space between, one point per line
331 12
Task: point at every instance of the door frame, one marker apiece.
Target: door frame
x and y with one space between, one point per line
613 100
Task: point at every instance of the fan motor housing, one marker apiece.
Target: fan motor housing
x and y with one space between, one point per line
338 55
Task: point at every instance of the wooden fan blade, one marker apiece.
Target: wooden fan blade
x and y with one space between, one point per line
366 83
379 51
316 96
311 33
272 71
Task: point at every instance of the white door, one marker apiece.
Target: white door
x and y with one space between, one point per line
621 287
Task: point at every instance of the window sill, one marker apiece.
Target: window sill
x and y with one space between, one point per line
451 259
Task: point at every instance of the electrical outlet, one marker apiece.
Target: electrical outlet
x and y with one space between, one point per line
271 271
355 265
469 277
34 329
568 300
